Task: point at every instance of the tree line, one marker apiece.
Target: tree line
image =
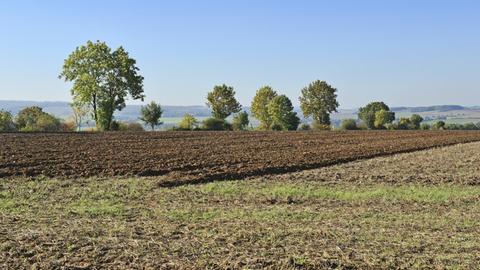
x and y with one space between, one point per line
104 78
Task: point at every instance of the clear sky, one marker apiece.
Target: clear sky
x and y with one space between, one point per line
404 52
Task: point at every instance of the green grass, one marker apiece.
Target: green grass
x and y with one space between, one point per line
433 194
284 224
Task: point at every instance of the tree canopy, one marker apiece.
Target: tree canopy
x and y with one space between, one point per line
6 121
151 114
368 113
240 121
283 116
103 79
318 100
259 106
222 101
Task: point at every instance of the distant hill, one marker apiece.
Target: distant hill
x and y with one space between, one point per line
130 113
438 108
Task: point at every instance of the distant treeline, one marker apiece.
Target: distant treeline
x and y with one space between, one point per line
104 78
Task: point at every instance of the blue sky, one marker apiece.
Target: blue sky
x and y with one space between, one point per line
416 52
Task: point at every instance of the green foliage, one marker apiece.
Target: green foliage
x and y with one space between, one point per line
425 126
382 118
440 125
404 124
416 120
318 126
215 124
259 106
283 116
467 126
188 122
34 118
222 101
304 127
348 124
102 79
127 127
318 100
240 121
151 114
80 113
368 113
6 122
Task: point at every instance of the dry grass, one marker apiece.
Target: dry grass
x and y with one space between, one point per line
417 210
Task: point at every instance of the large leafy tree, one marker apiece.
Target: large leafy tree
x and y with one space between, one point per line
151 114
103 79
259 106
318 100
368 113
222 101
283 116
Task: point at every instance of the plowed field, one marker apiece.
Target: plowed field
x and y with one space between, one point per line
187 157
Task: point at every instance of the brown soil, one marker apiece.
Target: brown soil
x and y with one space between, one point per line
192 157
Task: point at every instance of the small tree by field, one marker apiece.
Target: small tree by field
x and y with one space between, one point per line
151 114
259 106
368 113
240 121
425 126
103 79
188 122
215 124
222 102
348 124
440 125
80 112
283 116
318 100
382 118
404 123
6 122
415 121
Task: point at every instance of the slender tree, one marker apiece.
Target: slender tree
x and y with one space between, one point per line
103 79
318 100
80 113
151 114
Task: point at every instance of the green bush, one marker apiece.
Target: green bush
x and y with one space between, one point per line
6 122
304 127
215 124
240 121
425 126
127 127
34 119
348 124
440 125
